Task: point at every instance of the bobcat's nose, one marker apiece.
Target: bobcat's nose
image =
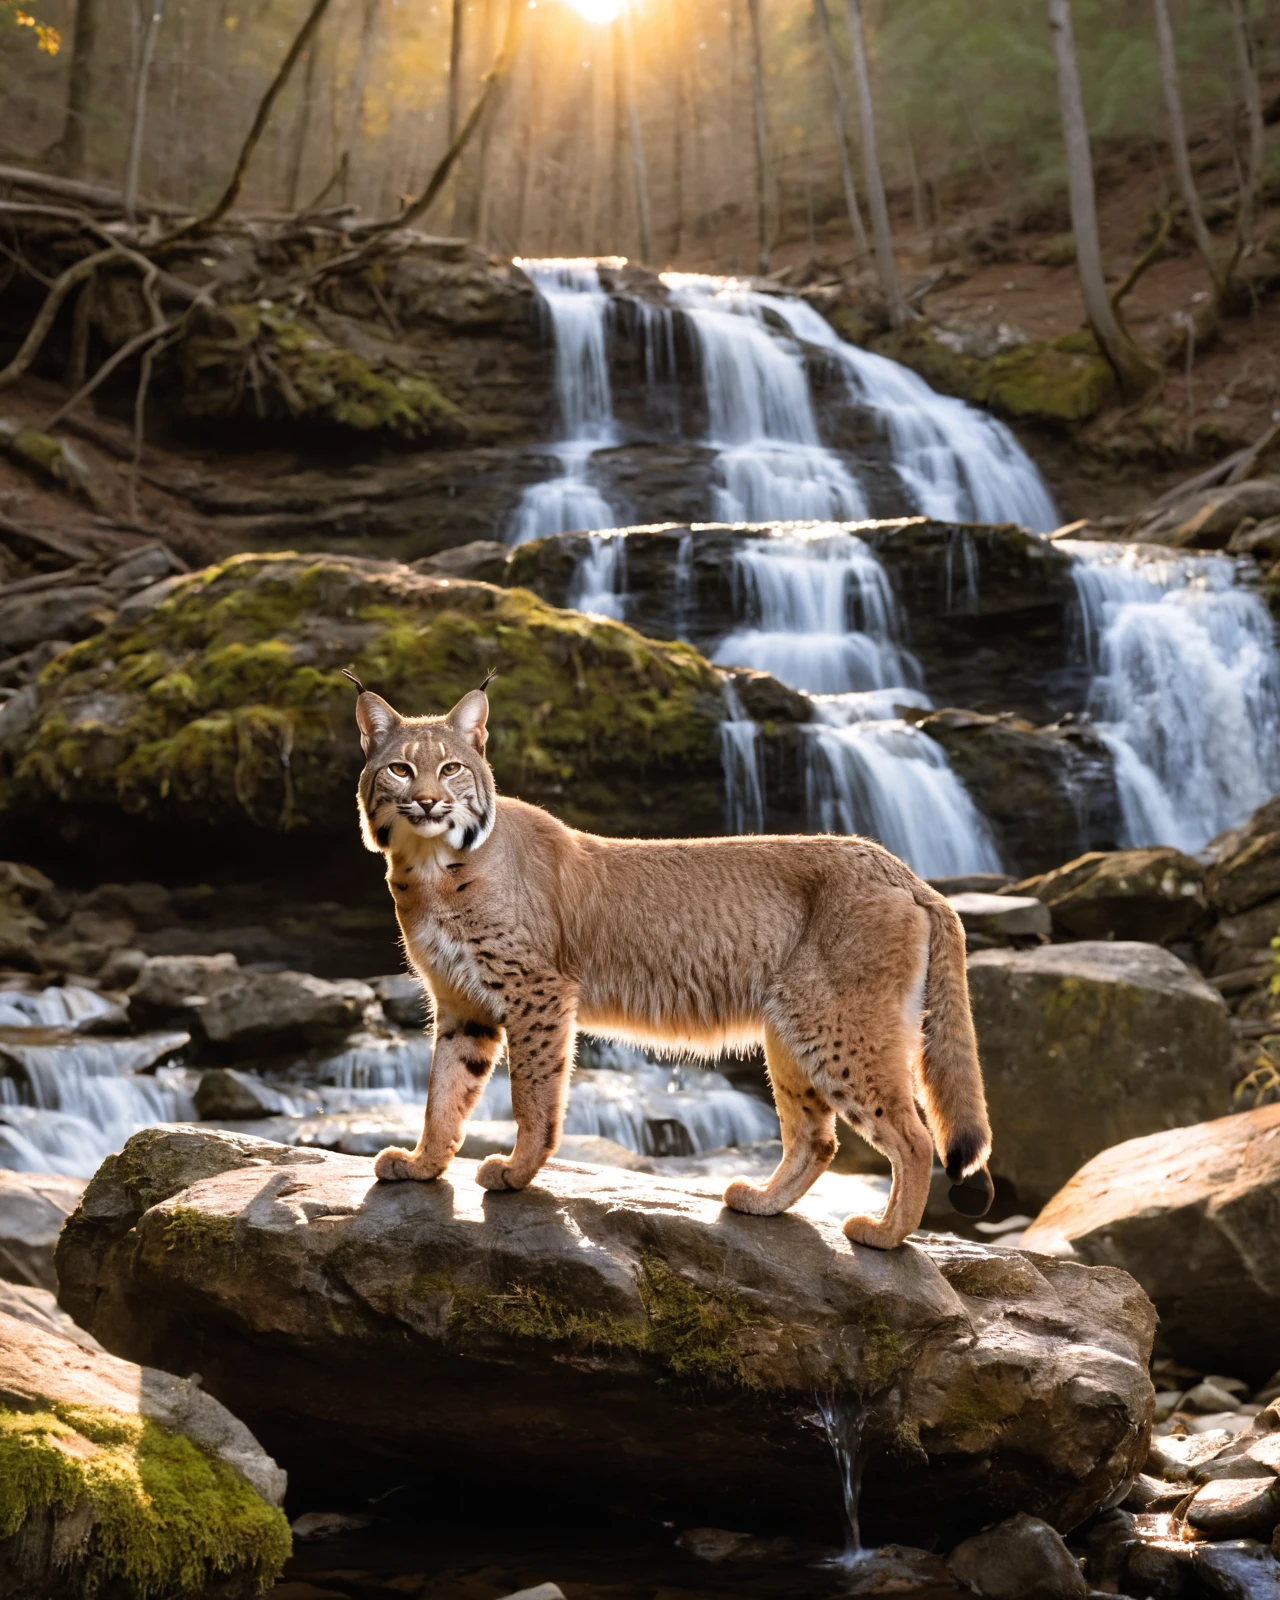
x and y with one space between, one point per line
428 802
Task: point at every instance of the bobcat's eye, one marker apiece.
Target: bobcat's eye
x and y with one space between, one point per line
449 768
400 769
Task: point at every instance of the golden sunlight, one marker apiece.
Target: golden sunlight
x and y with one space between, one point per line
598 10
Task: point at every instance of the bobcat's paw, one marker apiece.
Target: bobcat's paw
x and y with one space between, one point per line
748 1197
492 1173
872 1231
394 1166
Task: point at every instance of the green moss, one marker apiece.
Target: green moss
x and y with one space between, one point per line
693 1331
273 350
881 1355
165 1516
235 707
195 1232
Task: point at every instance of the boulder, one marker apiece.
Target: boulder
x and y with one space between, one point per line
1086 1045
1241 1569
68 612
1243 941
119 1479
1194 1215
174 988
39 1308
276 1010
402 998
1154 895
33 1207
225 708
223 1093
1021 1558
375 1334
1001 919
1247 876
1237 1508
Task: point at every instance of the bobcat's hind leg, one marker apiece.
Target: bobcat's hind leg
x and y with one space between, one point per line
466 1050
808 1138
901 1136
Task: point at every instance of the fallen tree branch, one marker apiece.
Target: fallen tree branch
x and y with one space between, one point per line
39 329
90 194
235 183
1249 458
140 341
1147 259
178 288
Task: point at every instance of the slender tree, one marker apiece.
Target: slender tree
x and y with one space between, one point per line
1133 371
360 85
640 177
151 33
301 128
1178 145
840 126
1251 184
70 148
886 266
762 137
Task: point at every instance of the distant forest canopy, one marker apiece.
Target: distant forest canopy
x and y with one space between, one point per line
662 100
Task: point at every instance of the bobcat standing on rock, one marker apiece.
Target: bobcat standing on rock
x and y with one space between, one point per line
829 951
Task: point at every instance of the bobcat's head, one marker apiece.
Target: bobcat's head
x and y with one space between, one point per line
425 777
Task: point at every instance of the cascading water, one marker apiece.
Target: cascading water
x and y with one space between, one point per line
822 616
578 308
740 759
1186 688
771 462
600 579
955 463
868 773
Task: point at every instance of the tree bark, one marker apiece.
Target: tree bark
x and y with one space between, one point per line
1251 187
455 67
1178 145
840 125
886 266
644 224
762 138
1133 370
298 153
355 131
70 148
147 55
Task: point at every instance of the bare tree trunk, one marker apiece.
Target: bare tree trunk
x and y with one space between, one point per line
1134 372
1178 145
455 68
619 135
1251 187
677 158
146 56
643 221
70 148
840 122
359 87
301 127
762 138
886 266
919 211
524 183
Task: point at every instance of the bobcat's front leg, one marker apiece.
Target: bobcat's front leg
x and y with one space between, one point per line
466 1050
540 1038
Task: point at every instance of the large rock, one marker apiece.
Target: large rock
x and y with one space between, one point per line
226 707
33 1207
121 1480
274 1010
1086 1045
1194 1215
1248 876
374 1334
1154 895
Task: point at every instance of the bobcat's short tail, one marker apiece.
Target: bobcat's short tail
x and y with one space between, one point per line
951 1078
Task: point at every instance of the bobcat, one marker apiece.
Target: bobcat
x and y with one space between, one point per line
828 950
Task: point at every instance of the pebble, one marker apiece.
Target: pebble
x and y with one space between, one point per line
1241 1569
1020 1557
1267 1451
719 1544
1174 1458
1208 1397
540 1591
327 1524
1153 1494
1220 1422
1236 1508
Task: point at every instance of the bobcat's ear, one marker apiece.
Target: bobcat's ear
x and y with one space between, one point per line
375 718
470 716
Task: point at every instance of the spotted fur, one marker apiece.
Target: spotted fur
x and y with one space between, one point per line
829 951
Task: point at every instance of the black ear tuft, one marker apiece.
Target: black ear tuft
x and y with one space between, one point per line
347 673
491 675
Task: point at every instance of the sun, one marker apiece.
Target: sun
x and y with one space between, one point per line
598 10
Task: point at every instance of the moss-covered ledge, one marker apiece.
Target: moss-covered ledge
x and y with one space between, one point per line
226 704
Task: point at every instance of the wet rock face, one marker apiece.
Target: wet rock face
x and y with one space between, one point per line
225 707
1086 1045
1154 895
1193 1213
119 1479
33 1207
369 1332
987 607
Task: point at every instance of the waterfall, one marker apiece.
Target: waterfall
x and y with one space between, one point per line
1185 689
821 615
740 759
600 578
578 308
771 463
868 771
956 463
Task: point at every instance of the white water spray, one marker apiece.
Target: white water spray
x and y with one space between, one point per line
1186 688
578 308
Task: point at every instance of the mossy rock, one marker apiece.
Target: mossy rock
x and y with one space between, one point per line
226 704
271 361
120 1482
